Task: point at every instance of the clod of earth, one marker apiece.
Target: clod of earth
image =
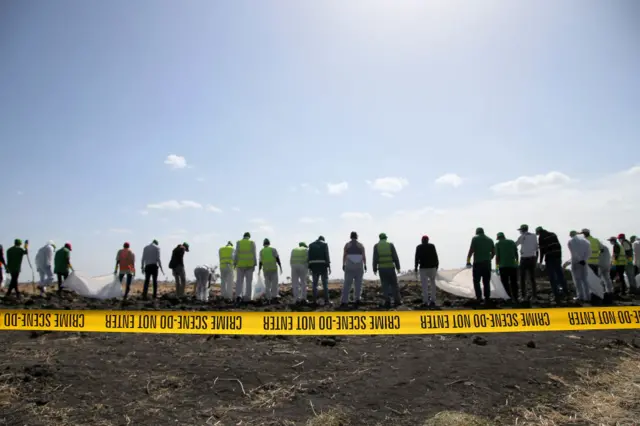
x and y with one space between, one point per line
480 341
531 344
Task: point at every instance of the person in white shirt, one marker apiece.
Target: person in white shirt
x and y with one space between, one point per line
44 265
580 250
204 275
604 264
528 243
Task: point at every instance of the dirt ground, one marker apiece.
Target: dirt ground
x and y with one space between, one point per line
560 378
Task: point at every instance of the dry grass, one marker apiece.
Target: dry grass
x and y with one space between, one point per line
610 397
332 417
455 418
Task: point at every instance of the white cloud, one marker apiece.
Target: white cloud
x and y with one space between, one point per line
175 161
120 231
175 205
337 188
311 220
144 212
212 208
449 179
356 216
387 194
235 209
258 221
635 170
529 184
388 184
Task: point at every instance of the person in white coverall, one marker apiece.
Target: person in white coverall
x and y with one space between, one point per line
44 265
635 243
299 272
604 265
204 275
580 250
226 271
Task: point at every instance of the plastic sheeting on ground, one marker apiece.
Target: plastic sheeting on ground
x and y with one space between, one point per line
459 282
103 287
596 285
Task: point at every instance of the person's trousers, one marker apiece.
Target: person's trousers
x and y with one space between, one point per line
528 267
582 285
509 279
353 273
244 277
594 268
428 283
556 277
299 281
150 272
606 278
46 277
13 284
202 284
317 273
482 272
618 270
181 280
129 279
226 282
270 284
389 283
61 279
629 269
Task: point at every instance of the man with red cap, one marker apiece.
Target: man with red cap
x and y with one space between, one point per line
126 261
426 259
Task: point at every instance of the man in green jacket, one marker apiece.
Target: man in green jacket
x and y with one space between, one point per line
62 264
14 264
507 265
483 250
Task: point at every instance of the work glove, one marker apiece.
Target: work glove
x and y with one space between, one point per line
398 270
582 262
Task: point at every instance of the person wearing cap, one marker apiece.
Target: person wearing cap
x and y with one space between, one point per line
483 250
507 265
62 264
427 262
528 260
226 271
44 265
596 249
320 267
269 263
150 264
204 275
176 264
635 244
385 260
580 250
126 263
299 272
551 255
15 255
354 265
245 259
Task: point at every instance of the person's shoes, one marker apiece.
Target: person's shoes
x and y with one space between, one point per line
432 304
344 306
356 304
386 305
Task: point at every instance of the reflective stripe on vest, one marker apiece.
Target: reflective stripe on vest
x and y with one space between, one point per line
226 256
125 261
385 259
595 250
269 263
628 251
245 254
299 256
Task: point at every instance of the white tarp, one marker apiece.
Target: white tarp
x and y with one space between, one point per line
459 282
104 287
595 283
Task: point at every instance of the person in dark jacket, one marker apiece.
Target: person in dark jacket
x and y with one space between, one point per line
426 260
320 267
507 265
551 253
15 255
176 264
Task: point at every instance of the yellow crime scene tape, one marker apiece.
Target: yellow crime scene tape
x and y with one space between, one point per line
324 323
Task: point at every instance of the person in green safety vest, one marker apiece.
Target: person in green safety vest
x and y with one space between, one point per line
618 264
269 263
596 250
226 271
627 249
244 260
385 260
299 272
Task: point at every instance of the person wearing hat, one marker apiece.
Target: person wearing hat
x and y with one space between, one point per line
245 259
62 264
635 244
627 249
528 260
596 250
551 255
385 260
426 260
176 264
320 267
483 250
44 265
15 255
126 262
150 264
226 271
299 272
269 263
580 250
507 265
204 275
354 265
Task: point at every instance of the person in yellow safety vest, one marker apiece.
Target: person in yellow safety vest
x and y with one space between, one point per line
244 260
125 260
627 249
385 260
299 272
269 263
618 264
596 250
226 272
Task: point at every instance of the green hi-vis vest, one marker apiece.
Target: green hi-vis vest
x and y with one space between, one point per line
245 254
299 256
595 251
385 259
226 256
269 263
620 259
627 248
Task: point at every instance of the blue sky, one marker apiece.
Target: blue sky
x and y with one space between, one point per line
269 102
